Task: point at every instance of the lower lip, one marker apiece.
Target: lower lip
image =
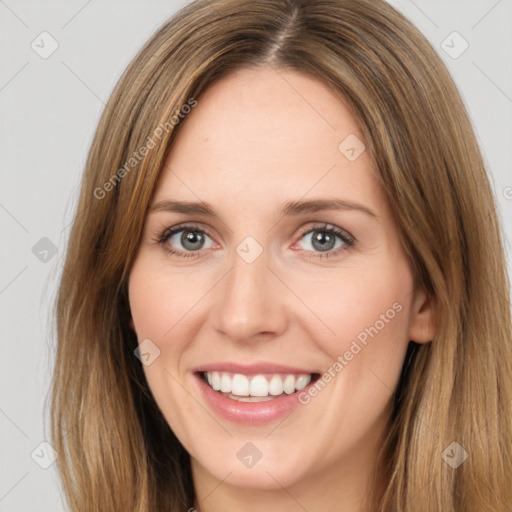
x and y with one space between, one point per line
249 413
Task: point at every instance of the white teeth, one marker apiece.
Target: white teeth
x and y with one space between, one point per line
302 382
225 383
215 380
259 386
289 384
276 386
240 385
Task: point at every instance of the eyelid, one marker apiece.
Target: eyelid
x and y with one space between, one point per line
326 226
168 232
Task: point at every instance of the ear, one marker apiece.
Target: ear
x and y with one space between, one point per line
422 321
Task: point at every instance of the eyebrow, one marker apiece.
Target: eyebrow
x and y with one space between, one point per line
290 207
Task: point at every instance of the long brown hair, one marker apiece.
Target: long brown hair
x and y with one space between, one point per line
116 451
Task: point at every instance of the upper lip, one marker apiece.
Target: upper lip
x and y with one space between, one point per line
250 369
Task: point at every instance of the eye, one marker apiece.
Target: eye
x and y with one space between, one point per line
185 240
326 240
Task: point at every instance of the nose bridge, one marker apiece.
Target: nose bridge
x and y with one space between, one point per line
250 301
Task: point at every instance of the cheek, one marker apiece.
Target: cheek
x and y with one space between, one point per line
159 308
357 307
366 310
159 301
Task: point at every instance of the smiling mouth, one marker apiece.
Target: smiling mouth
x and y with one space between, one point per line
257 387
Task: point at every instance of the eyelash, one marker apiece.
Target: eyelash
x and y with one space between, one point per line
347 239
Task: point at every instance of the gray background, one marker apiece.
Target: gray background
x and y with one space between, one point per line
48 111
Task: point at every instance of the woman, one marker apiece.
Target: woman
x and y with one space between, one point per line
285 286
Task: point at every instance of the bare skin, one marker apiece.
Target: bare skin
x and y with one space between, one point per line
252 144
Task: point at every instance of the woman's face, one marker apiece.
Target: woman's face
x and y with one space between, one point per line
284 266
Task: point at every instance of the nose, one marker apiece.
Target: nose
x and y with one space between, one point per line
251 302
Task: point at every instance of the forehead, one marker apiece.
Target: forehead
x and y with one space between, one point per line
267 134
